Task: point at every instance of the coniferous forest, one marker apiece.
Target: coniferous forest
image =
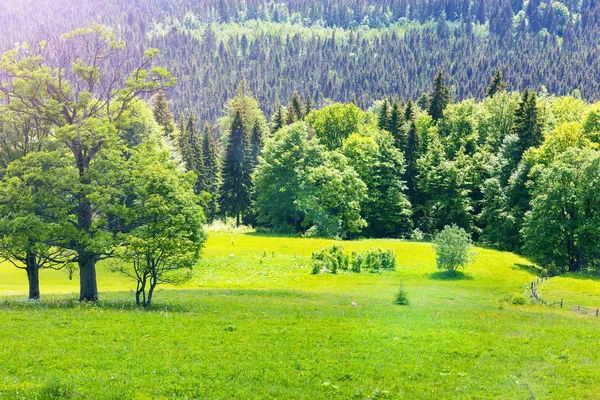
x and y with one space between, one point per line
348 51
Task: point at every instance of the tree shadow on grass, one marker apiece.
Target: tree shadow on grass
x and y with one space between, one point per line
449 276
532 269
55 302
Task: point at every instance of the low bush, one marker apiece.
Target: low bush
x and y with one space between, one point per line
377 260
330 259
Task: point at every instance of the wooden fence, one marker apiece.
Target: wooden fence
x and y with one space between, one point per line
578 308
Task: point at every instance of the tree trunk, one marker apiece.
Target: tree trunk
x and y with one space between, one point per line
33 276
237 220
88 288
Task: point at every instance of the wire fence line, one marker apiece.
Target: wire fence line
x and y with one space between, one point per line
578 308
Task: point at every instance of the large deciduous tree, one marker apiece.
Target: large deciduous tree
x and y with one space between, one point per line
82 94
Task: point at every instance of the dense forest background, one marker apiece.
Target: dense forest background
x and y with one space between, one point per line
344 50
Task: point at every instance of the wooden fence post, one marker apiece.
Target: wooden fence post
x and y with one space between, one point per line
561 303
597 311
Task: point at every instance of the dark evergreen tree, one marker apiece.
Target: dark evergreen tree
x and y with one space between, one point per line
210 160
309 106
395 126
440 97
295 109
279 120
256 144
163 115
497 85
235 190
526 124
423 102
411 155
191 153
383 120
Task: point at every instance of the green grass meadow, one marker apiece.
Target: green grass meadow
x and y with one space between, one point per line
255 324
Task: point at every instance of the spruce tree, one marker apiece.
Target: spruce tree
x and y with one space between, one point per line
423 102
411 155
384 116
440 98
395 126
295 109
526 124
211 170
163 115
192 152
256 143
497 85
235 190
279 120
309 106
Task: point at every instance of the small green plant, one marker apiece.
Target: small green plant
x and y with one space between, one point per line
401 298
454 249
330 259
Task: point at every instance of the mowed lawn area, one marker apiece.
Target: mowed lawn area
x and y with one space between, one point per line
255 324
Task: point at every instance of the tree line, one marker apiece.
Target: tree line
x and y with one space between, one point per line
410 169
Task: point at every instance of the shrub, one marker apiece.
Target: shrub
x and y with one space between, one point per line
357 260
330 259
453 248
377 260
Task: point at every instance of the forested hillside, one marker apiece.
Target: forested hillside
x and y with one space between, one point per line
350 50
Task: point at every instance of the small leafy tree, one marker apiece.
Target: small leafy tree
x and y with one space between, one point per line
454 249
165 239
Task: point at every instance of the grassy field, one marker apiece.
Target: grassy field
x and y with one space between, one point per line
254 323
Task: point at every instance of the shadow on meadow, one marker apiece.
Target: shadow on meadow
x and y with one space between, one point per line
449 276
179 301
529 268
68 302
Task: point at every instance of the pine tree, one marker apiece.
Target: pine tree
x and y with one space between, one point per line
211 170
411 155
235 190
423 102
256 143
497 85
309 106
384 116
192 151
182 143
440 98
409 111
295 109
279 120
163 115
395 126
526 125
